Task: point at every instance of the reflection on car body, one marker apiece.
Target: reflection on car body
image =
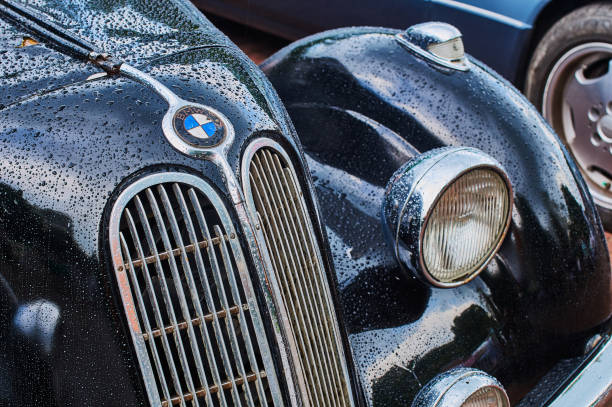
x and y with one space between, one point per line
167 239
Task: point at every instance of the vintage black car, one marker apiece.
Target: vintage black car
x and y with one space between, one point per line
167 239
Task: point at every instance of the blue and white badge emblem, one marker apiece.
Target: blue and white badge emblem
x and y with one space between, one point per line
199 126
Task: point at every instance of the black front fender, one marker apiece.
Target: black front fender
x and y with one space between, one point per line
362 105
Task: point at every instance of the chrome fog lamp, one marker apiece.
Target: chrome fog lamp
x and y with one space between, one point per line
446 213
462 387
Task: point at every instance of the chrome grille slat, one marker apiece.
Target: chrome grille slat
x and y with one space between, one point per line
166 292
208 295
242 320
301 239
157 310
218 280
289 248
192 288
275 199
279 248
317 276
183 278
145 318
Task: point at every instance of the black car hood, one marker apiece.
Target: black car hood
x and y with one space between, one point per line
132 31
67 145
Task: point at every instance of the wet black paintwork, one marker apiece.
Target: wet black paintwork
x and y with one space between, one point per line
67 146
363 105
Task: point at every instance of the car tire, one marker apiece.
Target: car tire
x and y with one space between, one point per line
566 78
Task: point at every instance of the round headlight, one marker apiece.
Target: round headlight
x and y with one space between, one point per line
465 225
446 213
462 387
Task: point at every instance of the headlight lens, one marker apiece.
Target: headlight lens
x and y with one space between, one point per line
465 225
486 397
445 214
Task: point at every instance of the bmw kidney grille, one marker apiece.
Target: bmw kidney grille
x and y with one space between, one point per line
276 197
187 295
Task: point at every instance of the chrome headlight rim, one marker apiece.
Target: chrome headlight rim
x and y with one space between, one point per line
482 264
454 387
426 178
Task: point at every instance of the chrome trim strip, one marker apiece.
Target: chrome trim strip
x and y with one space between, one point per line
592 385
491 15
116 242
288 245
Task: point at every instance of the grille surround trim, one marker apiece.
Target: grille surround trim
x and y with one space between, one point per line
274 284
245 281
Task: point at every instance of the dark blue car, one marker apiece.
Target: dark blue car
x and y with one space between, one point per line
557 51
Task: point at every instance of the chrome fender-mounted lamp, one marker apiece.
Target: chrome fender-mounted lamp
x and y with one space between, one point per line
438 43
462 387
446 213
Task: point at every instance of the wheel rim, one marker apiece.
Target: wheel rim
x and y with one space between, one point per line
577 102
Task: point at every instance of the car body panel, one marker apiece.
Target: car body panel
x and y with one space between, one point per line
363 105
496 32
63 156
68 145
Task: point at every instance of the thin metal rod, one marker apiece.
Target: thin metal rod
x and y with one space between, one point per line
241 317
176 279
145 318
214 389
154 303
199 214
190 248
197 321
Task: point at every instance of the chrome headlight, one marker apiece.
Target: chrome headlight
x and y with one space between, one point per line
446 213
462 387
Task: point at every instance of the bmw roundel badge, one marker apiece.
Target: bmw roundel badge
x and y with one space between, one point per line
199 127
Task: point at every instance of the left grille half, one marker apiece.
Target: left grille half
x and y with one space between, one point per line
187 296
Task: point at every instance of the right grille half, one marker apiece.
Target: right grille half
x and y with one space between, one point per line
294 255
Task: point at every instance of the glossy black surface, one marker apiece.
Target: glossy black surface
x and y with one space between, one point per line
67 147
363 105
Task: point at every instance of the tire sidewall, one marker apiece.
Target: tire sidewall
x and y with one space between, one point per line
591 23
